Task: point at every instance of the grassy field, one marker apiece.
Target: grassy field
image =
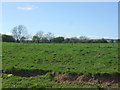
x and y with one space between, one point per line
69 59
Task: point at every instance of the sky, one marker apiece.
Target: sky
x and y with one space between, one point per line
68 19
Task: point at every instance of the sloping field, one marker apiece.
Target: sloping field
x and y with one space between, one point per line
55 64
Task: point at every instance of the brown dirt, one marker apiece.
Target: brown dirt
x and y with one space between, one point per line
98 79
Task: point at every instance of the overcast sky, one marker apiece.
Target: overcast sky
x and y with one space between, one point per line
93 19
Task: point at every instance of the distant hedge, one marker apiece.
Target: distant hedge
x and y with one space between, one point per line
7 38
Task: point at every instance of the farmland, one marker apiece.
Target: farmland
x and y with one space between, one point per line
44 65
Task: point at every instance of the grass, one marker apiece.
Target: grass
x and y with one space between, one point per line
65 58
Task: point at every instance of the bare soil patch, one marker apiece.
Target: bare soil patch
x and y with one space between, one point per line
97 78
26 73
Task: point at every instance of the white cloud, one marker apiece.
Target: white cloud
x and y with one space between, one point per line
94 37
90 37
8 33
66 36
24 8
98 37
28 7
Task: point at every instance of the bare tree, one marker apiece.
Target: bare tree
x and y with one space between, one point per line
83 38
15 33
40 35
18 32
49 36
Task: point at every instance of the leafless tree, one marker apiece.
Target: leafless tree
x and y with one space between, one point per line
49 35
18 32
40 35
83 38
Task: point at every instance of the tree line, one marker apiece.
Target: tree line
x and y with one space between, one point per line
19 34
